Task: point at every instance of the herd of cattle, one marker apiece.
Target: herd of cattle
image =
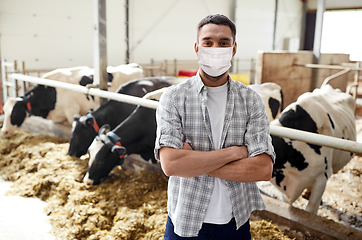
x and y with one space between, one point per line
116 128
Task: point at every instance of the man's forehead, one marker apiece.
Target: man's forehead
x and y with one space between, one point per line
210 31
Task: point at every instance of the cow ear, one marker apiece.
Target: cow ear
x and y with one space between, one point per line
104 129
119 151
76 117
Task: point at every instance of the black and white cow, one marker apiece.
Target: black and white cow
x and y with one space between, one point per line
112 112
272 96
105 155
136 135
61 105
301 165
56 104
117 75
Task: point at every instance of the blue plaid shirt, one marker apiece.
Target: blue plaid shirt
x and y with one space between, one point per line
182 117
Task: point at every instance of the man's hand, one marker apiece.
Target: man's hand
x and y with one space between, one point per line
186 146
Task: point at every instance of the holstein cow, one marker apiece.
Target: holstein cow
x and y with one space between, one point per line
137 135
112 112
116 75
301 165
272 96
60 105
56 104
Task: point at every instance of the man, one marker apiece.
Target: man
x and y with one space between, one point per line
213 141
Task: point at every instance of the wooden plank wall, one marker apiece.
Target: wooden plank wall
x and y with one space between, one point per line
279 67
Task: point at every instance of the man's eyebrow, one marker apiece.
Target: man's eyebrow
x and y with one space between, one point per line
222 39
206 38
225 39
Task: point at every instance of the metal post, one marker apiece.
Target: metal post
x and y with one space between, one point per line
127 31
175 67
252 72
166 65
275 23
304 19
317 41
100 44
24 83
15 82
356 76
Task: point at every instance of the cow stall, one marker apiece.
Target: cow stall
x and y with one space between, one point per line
78 201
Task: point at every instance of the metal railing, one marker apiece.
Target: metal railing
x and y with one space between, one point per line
317 139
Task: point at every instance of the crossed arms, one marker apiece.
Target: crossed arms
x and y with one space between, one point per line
230 163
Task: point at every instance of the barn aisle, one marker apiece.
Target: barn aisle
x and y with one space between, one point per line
22 218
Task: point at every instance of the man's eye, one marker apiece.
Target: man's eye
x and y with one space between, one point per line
207 44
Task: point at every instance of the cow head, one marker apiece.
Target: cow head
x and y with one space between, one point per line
105 153
38 101
84 130
15 111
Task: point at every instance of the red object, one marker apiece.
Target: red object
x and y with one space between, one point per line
187 73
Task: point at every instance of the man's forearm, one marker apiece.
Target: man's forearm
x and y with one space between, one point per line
253 169
189 163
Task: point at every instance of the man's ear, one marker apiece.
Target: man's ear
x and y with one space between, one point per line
196 48
235 48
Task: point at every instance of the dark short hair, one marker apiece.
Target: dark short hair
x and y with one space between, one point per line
218 19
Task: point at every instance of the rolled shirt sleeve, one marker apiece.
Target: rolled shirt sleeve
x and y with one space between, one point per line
257 135
169 127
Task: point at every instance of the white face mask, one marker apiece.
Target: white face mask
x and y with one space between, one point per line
215 61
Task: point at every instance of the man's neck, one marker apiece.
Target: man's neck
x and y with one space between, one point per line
213 81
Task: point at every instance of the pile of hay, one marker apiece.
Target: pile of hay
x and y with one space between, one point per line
126 206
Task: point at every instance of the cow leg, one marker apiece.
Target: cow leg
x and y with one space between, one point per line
316 194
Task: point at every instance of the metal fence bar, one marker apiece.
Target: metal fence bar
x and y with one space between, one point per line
91 91
317 139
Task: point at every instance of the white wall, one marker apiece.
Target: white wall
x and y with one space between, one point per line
289 22
53 33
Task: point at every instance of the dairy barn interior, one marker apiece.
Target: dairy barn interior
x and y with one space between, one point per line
300 45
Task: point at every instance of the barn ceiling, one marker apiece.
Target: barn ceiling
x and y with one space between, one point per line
336 4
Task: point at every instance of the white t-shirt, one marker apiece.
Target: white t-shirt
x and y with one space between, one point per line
220 208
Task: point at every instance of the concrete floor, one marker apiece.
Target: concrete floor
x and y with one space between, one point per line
22 218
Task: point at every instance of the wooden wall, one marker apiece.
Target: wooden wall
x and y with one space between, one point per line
279 67
334 59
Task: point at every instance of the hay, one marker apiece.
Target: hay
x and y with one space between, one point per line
125 206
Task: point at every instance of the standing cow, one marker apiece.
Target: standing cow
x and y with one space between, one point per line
272 96
112 112
58 104
137 135
301 165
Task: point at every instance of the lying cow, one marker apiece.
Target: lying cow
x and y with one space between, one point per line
57 104
301 165
137 135
85 128
116 75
